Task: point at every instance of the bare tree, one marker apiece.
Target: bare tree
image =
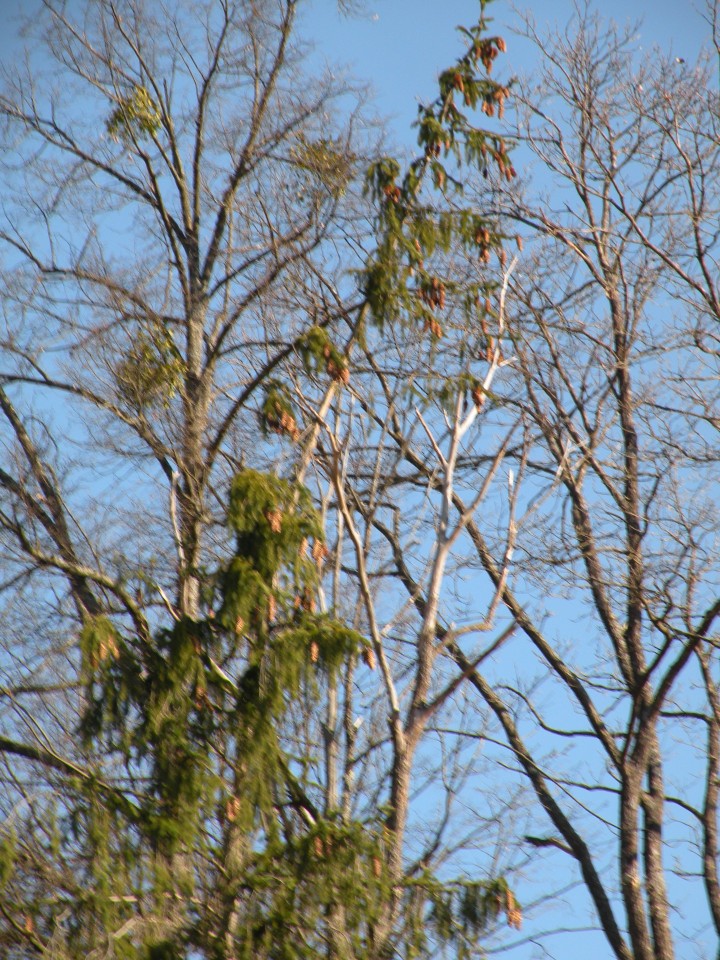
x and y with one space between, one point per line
614 584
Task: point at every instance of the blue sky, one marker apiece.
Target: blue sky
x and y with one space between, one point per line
401 45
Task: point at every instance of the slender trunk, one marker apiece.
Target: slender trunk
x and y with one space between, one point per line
339 946
630 880
712 790
196 406
653 811
330 740
646 763
394 833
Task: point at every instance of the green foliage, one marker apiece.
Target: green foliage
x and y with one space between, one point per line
136 115
273 521
277 413
8 847
456 913
174 720
282 668
319 352
99 642
398 282
112 679
326 161
267 597
152 370
160 704
328 642
332 866
104 903
245 596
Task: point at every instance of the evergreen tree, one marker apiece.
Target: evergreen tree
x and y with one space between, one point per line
176 281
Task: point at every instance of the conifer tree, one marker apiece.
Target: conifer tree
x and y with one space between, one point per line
169 801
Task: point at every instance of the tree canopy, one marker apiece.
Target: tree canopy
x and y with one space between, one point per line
359 577
190 322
